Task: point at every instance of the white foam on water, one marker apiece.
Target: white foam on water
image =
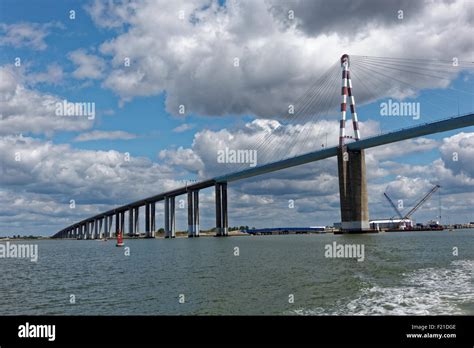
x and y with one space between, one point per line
427 291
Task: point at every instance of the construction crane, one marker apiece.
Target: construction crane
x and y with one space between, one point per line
416 207
393 206
423 200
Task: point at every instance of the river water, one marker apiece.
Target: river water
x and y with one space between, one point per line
401 274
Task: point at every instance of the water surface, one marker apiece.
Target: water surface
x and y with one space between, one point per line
403 273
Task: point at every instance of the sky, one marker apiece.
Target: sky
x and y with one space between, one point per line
173 82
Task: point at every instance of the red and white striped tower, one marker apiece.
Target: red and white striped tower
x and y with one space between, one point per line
347 91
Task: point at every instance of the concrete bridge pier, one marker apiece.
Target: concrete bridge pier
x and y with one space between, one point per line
353 191
91 230
95 223
95 226
131 221
117 224
101 225
136 217
108 226
196 213
221 210
94 229
152 220
170 217
193 213
167 217
147 220
190 215
122 222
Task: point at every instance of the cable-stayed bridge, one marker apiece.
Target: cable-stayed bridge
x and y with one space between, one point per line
408 76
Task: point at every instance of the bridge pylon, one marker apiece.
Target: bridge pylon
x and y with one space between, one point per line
351 165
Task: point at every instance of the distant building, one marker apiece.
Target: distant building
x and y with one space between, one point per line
286 230
391 224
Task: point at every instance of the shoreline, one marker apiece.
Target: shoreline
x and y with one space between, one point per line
231 234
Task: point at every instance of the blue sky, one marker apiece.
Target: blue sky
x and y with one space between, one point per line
144 116
176 60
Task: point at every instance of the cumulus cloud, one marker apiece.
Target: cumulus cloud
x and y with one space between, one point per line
240 58
183 158
54 75
269 138
274 141
183 128
38 180
24 110
30 213
105 135
88 66
446 171
117 15
316 17
83 175
31 35
457 152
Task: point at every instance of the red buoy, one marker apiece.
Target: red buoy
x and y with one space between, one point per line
119 239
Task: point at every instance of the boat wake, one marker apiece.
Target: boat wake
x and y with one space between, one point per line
427 291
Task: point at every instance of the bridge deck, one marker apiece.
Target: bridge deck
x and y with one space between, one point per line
387 138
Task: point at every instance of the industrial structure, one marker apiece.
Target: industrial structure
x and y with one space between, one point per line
403 222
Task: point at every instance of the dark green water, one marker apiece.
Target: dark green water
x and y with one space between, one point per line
403 273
